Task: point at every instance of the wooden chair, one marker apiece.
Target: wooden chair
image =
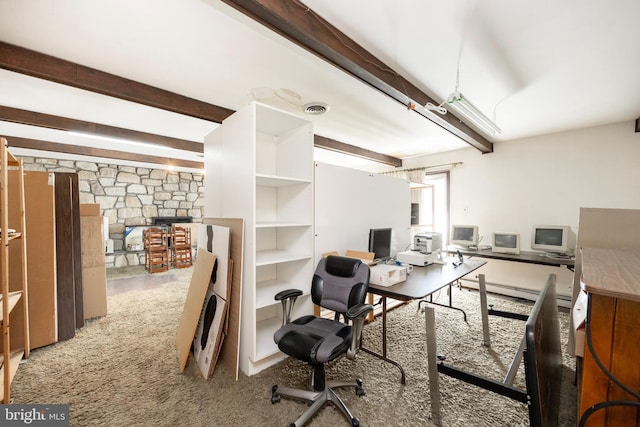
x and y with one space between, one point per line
181 247
156 249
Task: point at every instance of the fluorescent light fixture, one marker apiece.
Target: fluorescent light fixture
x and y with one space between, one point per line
120 140
471 112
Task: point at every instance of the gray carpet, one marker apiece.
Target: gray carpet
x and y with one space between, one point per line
122 370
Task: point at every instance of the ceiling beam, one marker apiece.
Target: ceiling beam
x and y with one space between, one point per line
55 147
32 118
299 24
340 147
46 67
35 64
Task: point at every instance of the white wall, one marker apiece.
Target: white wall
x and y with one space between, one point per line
543 180
349 202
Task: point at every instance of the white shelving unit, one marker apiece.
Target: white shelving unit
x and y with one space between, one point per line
13 303
259 167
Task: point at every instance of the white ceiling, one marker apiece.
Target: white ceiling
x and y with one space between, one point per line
537 67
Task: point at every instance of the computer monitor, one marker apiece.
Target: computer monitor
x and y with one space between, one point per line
380 242
505 243
464 235
554 240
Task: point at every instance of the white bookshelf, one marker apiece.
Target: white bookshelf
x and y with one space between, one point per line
259 167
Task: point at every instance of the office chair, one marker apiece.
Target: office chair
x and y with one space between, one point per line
338 284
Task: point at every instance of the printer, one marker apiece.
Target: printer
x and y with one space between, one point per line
428 242
426 248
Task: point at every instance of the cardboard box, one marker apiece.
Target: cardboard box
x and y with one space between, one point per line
89 209
92 245
94 291
387 275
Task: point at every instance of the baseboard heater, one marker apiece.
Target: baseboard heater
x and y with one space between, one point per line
514 291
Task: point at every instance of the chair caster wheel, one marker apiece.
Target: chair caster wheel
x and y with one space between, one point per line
355 422
275 397
359 389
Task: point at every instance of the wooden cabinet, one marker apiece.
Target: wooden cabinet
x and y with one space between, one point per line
13 296
259 167
611 279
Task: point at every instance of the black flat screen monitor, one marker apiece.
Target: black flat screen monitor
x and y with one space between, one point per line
380 242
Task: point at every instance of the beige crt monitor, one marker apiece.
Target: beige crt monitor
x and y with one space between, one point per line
505 243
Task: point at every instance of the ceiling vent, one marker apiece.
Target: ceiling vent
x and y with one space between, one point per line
315 108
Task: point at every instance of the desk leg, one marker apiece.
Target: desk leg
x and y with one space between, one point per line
464 314
383 356
432 363
483 310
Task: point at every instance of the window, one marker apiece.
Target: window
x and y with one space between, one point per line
432 199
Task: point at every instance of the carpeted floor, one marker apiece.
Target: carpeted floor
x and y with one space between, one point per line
122 370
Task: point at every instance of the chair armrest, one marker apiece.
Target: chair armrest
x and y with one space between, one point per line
358 310
286 294
288 299
358 315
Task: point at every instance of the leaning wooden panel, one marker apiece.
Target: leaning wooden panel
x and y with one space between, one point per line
193 305
208 339
230 353
41 257
68 255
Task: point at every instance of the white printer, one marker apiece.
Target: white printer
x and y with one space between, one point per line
428 242
426 249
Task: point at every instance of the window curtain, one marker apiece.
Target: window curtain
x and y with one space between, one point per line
412 175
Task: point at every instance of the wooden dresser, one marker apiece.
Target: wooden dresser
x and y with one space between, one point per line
611 278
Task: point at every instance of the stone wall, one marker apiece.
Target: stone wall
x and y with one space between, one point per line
130 195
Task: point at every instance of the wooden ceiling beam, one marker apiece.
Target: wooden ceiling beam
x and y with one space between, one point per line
35 64
340 147
46 67
55 147
299 24
32 118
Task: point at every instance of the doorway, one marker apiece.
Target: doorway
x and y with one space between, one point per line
430 204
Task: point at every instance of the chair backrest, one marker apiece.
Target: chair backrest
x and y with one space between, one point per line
155 238
181 236
339 283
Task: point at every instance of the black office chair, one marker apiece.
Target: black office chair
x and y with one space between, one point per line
339 284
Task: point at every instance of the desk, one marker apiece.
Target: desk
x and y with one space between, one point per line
523 256
521 275
422 282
